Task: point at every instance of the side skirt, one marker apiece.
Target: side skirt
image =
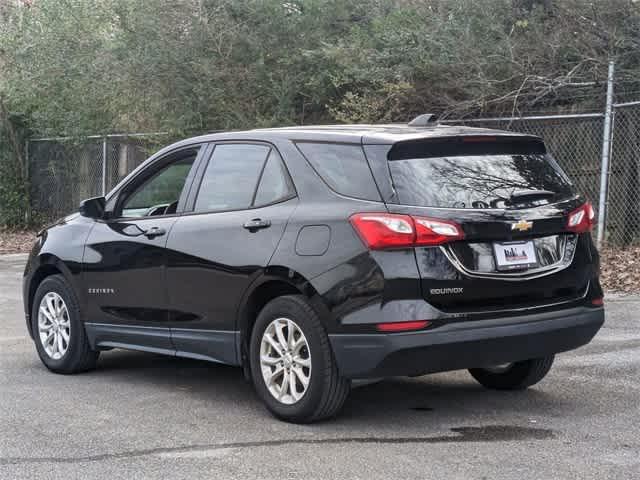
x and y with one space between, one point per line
209 345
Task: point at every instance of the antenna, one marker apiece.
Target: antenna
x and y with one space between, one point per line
424 120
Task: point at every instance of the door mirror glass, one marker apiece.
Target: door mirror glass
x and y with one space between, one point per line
93 207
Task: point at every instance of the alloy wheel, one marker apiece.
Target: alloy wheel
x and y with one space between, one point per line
54 325
285 361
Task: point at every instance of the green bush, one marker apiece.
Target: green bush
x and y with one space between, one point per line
14 199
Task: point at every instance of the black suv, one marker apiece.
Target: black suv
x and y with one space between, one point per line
312 256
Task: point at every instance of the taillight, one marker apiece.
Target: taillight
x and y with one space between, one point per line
384 230
597 302
402 326
389 230
430 231
581 219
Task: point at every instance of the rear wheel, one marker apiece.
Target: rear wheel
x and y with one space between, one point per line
292 364
513 376
58 331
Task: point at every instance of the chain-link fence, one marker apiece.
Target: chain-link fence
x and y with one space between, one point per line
623 194
576 141
64 171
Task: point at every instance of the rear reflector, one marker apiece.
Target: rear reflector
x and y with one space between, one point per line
402 326
581 219
388 230
598 302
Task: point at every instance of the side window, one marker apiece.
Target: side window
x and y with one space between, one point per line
275 183
231 177
159 195
343 167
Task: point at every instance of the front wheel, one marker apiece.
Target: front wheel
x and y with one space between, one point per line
513 376
58 330
292 365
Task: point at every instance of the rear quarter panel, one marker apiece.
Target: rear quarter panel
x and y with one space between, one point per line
354 285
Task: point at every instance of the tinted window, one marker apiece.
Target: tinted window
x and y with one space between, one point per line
231 177
478 181
159 195
275 183
343 167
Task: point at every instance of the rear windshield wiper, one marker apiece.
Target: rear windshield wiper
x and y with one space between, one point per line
520 196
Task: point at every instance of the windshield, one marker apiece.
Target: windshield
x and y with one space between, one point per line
480 181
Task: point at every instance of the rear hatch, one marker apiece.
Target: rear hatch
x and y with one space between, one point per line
505 207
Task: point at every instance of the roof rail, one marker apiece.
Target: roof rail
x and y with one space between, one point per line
424 120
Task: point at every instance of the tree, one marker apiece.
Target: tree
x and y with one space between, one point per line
74 67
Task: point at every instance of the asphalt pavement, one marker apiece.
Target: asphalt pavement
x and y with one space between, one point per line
148 416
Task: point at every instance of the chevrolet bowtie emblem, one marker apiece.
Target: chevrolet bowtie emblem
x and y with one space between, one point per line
522 226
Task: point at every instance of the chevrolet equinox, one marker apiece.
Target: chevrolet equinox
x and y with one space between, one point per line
314 256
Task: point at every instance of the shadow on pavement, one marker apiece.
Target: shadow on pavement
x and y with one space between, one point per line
452 396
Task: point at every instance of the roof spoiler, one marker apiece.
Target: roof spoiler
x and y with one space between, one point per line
424 120
458 145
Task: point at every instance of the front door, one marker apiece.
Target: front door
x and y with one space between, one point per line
217 249
125 257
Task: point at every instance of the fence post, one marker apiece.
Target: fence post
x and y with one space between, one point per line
27 183
104 166
606 148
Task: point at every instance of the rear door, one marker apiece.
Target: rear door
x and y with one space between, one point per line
238 213
512 203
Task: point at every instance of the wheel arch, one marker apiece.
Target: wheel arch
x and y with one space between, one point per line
48 266
273 283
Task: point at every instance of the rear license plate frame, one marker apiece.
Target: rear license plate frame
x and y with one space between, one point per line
528 251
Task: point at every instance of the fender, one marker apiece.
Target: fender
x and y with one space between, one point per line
67 238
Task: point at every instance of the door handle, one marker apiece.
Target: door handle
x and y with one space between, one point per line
256 224
154 232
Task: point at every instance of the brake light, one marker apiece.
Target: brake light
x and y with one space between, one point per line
389 230
478 139
383 230
581 219
597 302
402 326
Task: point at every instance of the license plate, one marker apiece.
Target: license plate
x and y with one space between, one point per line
515 255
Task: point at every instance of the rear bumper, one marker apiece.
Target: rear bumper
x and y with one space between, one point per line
462 345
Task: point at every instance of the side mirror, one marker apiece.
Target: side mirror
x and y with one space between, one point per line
93 207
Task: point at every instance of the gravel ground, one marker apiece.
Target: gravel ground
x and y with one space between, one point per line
147 416
621 269
16 241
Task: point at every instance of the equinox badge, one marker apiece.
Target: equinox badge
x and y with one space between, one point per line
446 291
522 226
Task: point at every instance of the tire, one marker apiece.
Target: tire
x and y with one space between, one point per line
517 376
78 355
326 391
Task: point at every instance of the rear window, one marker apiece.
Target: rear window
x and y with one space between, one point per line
343 167
479 181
